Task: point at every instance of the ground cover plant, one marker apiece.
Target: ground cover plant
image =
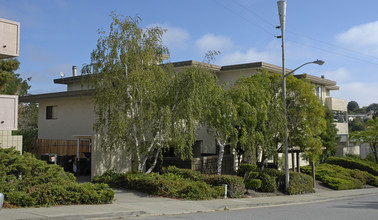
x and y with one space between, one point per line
176 183
354 163
340 178
27 181
271 180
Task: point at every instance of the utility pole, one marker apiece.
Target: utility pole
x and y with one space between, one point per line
282 15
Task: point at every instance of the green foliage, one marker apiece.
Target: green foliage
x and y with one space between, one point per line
259 108
339 178
253 183
354 163
268 183
143 107
10 82
305 117
329 136
299 183
26 181
28 125
352 106
273 180
369 135
235 184
356 125
245 169
176 183
184 173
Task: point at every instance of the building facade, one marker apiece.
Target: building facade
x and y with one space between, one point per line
69 115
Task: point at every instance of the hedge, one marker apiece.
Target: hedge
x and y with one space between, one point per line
176 183
27 181
354 163
339 178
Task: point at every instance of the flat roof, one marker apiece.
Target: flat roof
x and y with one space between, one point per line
36 98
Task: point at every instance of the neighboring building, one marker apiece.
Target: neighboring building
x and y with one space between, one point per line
8 122
10 47
66 118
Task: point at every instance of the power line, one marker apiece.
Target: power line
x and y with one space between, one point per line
255 14
297 34
333 52
334 46
244 18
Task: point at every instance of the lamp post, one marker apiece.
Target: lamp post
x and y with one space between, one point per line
282 15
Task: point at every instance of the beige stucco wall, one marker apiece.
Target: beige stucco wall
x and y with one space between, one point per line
342 128
102 160
75 116
208 141
79 85
336 104
231 76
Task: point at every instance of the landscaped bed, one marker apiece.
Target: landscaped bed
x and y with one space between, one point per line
29 182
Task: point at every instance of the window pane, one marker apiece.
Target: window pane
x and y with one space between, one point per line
51 112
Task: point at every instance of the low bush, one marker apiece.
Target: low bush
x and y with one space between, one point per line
253 184
299 183
235 184
245 169
176 183
268 183
273 180
339 178
185 173
26 181
354 163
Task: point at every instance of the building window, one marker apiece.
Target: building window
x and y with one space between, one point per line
340 116
319 92
51 112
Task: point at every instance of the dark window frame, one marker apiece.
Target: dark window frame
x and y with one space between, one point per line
51 112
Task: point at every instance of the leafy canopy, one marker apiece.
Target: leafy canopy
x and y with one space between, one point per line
144 107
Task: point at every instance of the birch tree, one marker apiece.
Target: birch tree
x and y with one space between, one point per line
143 107
221 118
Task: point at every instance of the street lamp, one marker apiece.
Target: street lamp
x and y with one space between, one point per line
282 15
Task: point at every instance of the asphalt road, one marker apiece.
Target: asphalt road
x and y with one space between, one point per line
359 208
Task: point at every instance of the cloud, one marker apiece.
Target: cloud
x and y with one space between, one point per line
362 92
361 35
362 38
340 75
175 38
249 56
213 42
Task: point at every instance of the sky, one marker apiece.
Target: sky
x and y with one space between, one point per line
59 34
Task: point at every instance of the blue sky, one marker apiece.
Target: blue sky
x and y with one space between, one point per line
57 34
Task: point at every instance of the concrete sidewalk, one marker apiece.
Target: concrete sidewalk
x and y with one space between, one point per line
133 204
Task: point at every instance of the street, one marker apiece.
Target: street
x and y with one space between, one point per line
360 208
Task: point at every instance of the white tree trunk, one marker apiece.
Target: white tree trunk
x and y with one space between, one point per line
221 144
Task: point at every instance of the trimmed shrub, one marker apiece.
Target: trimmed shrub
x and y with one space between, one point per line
354 163
253 184
268 183
26 181
177 183
167 184
299 183
184 173
245 168
235 184
342 183
339 178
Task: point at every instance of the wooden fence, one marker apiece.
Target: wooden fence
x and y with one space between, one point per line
61 147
